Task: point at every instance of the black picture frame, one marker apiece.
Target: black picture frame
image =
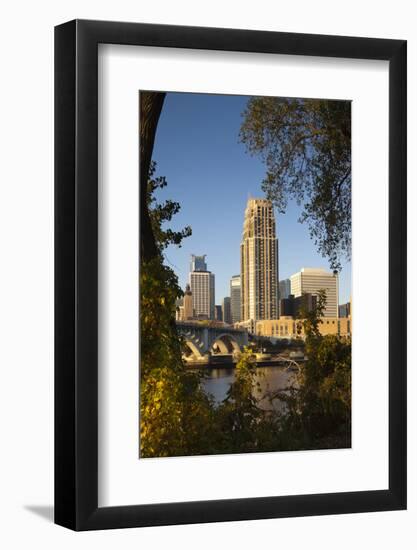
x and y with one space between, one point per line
76 272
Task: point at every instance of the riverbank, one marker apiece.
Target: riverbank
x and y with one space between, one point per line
228 362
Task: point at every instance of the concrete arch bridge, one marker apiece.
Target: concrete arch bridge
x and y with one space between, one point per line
204 340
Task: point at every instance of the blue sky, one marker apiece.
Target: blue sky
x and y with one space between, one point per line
210 174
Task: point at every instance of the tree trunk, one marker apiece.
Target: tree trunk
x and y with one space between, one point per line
150 109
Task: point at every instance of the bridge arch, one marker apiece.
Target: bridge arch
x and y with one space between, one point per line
193 348
202 339
226 343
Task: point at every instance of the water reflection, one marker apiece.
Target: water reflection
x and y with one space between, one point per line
269 378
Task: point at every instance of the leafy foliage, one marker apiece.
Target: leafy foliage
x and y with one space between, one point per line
306 147
175 414
319 406
161 213
239 414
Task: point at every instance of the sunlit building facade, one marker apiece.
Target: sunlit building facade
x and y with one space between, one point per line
290 328
235 298
259 262
202 289
312 280
188 310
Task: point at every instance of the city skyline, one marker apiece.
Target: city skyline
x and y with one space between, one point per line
315 279
213 195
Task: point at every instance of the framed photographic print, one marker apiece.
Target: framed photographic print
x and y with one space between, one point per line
230 275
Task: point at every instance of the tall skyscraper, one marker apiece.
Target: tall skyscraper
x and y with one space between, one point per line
202 288
235 298
198 263
311 280
259 262
284 292
227 314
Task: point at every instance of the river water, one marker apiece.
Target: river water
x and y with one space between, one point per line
270 379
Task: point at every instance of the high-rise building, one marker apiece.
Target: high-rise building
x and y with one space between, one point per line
198 263
259 262
344 310
188 304
218 313
235 298
202 288
226 310
311 281
284 290
291 306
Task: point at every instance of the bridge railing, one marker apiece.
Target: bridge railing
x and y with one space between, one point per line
216 325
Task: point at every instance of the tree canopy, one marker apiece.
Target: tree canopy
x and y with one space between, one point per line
175 414
306 147
160 213
150 106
